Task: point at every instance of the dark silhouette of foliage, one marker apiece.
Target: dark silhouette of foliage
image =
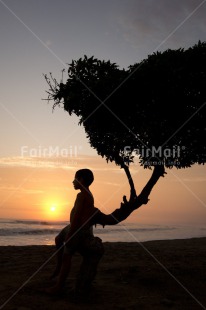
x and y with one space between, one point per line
155 109
157 103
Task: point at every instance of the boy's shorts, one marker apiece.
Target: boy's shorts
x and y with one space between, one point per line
64 232
82 241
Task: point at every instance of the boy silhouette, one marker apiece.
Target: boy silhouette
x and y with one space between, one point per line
78 237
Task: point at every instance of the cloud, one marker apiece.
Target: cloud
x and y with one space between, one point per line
21 190
95 163
146 24
39 162
111 184
192 179
48 43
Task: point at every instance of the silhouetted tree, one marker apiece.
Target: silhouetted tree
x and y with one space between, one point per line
155 110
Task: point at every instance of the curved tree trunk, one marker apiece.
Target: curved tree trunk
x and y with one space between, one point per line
127 207
131 183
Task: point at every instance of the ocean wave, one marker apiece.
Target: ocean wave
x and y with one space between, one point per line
46 223
6 221
48 231
13 232
136 230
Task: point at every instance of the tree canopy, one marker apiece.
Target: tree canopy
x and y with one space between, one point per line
155 109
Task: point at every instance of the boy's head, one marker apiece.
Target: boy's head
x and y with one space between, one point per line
86 175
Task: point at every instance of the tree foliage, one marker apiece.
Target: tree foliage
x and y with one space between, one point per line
157 104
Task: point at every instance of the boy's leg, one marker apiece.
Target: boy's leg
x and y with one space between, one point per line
92 253
69 248
59 242
63 273
60 250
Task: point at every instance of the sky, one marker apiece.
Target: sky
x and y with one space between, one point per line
39 37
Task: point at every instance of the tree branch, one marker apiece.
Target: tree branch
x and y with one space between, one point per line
127 207
131 183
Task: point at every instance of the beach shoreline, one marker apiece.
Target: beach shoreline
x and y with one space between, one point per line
131 275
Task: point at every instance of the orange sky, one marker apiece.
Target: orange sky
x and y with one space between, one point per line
124 32
42 189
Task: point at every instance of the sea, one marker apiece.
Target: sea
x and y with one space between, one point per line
15 232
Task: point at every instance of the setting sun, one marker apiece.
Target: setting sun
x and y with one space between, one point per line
53 208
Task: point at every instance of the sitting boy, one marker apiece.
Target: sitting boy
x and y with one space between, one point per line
78 237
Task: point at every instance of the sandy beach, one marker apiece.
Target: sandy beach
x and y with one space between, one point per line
151 275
